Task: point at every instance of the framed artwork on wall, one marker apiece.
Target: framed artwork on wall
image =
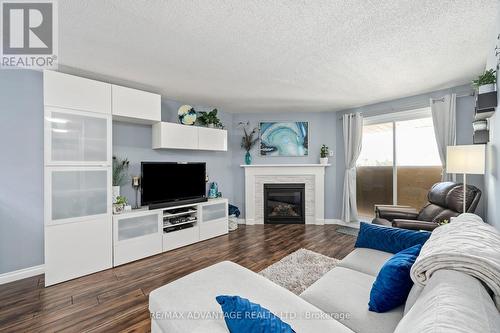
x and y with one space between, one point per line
284 138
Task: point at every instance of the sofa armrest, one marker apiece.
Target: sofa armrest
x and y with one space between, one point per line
395 212
414 224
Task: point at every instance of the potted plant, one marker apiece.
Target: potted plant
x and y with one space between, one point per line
324 155
210 119
486 82
247 143
119 205
120 171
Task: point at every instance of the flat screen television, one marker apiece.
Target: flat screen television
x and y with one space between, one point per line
166 184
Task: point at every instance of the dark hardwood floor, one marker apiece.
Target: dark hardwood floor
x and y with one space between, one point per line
116 300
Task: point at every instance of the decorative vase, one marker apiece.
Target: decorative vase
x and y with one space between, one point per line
323 160
116 193
214 189
248 158
211 125
486 88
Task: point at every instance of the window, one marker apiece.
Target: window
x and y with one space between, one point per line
399 161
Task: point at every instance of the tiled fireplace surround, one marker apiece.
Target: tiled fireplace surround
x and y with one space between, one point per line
312 175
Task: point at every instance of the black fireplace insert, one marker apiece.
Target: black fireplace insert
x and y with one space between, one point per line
284 203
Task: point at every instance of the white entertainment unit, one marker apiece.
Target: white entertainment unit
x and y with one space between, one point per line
81 234
142 233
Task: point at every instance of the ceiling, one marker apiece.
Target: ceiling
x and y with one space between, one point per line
279 55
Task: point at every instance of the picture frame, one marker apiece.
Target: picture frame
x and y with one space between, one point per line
284 138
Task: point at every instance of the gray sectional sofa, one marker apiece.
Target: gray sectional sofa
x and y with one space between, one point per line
450 302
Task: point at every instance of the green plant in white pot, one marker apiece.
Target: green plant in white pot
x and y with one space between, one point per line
120 175
210 119
486 82
323 160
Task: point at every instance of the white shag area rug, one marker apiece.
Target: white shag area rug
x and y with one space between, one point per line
299 270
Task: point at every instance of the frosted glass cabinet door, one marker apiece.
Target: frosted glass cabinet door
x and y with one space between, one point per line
76 137
133 227
213 212
75 193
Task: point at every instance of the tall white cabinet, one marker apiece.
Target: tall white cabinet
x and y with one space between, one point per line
78 157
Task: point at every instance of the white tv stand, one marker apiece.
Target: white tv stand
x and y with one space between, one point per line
142 233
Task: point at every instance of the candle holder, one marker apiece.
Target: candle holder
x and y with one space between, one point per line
136 183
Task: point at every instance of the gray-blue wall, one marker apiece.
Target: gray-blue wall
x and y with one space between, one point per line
21 169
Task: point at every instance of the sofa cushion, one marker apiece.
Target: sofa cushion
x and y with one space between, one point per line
364 260
451 302
387 239
194 295
346 291
414 294
393 282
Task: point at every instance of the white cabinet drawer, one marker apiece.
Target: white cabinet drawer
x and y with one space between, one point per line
213 228
175 239
136 235
174 136
212 139
76 249
135 105
73 92
137 248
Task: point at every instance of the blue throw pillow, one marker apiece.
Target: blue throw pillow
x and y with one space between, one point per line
243 316
393 283
389 239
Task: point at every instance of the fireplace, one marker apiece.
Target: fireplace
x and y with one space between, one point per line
284 203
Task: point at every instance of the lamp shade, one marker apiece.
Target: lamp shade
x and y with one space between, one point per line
467 159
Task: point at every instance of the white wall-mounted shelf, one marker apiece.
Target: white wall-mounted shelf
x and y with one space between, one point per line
177 136
136 106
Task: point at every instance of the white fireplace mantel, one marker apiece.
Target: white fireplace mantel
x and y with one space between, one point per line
312 175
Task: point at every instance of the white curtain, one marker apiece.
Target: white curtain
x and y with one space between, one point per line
445 127
353 133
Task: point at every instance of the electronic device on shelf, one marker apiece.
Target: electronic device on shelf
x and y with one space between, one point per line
178 227
182 219
166 184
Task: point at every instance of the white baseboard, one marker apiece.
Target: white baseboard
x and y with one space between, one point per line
242 221
342 223
21 274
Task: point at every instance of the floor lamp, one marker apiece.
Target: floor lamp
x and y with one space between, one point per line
466 159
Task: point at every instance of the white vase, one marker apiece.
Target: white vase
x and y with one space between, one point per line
486 88
116 193
323 160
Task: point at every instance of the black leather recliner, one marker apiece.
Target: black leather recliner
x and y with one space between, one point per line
445 201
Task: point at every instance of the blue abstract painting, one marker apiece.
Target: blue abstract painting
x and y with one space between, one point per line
284 138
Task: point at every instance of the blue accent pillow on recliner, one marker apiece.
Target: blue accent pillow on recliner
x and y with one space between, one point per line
243 316
389 239
393 282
